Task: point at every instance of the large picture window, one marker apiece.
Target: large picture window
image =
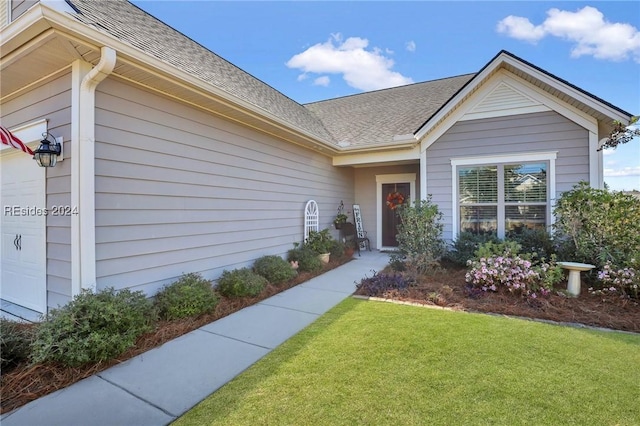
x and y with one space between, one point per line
503 198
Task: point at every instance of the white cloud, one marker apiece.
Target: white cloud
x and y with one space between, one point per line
361 68
411 46
625 171
322 81
586 28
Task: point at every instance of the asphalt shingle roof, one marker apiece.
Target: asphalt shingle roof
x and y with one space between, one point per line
132 25
376 117
364 119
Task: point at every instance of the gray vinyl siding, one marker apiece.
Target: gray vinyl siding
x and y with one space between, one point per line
526 133
366 187
179 190
18 7
51 101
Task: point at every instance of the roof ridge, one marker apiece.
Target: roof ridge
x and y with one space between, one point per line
389 88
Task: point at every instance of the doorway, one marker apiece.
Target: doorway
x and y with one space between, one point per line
389 214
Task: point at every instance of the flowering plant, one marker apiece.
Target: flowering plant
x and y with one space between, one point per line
511 272
625 282
394 199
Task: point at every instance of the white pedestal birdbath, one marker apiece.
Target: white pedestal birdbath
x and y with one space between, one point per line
574 269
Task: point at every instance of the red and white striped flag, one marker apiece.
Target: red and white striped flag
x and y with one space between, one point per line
8 138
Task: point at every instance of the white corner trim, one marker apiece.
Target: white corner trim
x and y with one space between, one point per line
409 178
528 157
83 244
596 160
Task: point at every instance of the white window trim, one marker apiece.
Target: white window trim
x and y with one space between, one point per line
529 157
409 178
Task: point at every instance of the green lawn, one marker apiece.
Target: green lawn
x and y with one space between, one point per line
378 363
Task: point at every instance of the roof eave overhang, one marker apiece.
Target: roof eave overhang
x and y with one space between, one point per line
42 18
506 60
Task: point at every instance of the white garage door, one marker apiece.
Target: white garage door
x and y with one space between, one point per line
23 228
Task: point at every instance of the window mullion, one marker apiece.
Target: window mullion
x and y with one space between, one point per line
501 204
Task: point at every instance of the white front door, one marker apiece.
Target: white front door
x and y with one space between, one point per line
23 231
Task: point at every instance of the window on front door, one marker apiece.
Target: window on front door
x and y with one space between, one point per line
503 198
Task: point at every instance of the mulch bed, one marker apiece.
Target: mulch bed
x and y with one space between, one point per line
24 383
448 289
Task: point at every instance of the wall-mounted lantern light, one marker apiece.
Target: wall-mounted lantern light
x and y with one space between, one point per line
47 153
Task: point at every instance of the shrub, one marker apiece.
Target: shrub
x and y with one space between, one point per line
191 295
15 342
307 260
379 284
93 327
337 250
274 268
598 226
534 241
420 234
510 272
319 242
494 270
624 282
465 246
499 248
240 283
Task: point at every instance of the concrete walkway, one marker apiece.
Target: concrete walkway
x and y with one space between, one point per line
160 385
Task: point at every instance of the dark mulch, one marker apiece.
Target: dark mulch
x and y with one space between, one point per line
448 288
24 383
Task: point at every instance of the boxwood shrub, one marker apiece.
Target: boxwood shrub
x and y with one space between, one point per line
240 283
308 260
93 327
191 295
274 268
15 342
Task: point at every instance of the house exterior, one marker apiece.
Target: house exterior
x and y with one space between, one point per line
177 161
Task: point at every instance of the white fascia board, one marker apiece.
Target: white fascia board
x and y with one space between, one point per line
420 134
503 76
140 59
543 77
571 91
362 158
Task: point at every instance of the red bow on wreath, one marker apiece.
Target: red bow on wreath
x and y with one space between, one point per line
394 199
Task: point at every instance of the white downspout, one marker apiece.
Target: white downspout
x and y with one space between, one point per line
83 232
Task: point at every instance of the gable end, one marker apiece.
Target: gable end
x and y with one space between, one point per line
503 100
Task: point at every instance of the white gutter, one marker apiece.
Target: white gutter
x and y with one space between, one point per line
83 229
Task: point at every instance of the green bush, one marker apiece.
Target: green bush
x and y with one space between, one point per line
500 248
537 241
240 283
93 327
598 226
308 260
319 242
420 234
465 246
274 268
191 295
337 250
15 342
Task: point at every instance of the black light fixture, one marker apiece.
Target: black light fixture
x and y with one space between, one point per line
47 153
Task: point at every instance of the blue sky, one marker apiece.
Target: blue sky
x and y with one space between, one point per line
313 51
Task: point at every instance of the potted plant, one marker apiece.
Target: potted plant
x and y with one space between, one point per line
340 220
320 243
341 217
